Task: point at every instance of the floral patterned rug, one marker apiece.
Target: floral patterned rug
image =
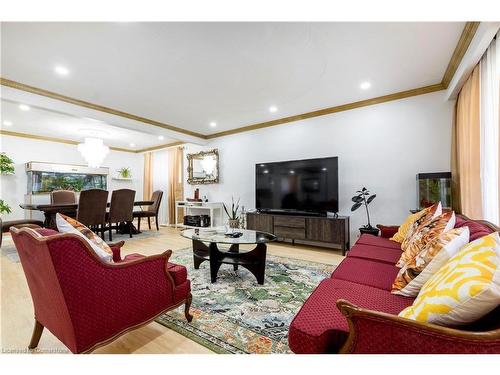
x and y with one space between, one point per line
237 315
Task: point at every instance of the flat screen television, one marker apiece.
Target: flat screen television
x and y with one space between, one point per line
300 186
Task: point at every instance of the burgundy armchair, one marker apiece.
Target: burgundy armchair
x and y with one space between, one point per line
87 303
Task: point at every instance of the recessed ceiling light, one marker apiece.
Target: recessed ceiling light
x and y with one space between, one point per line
132 145
24 107
7 123
61 70
213 124
323 169
273 109
365 85
292 172
161 137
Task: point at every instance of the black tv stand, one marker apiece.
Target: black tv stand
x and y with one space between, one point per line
319 229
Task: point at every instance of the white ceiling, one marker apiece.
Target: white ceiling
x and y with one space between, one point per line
189 74
48 123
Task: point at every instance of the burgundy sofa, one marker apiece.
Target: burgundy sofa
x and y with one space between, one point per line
354 311
86 302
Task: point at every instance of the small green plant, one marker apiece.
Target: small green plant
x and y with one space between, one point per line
6 167
361 200
6 164
233 214
125 172
4 207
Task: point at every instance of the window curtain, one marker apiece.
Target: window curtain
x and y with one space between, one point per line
175 182
466 164
476 139
147 190
490 135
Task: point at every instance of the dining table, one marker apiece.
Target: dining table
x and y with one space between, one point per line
50 210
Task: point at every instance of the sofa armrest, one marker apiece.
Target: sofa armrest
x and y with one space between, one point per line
387 231
376 332
116 248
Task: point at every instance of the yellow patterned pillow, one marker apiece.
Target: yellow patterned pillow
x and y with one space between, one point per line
465 289
408 225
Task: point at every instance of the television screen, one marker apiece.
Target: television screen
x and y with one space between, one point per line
301 185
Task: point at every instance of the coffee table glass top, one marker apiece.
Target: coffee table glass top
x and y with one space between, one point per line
217 235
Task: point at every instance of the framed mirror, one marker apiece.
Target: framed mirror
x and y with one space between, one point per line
203 167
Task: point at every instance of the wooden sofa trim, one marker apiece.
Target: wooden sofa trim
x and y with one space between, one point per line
351 311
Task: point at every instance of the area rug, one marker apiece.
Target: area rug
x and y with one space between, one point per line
237 315
9 250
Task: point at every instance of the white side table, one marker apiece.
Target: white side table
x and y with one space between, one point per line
215 211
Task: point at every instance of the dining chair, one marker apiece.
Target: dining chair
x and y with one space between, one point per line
120 211
151 211
62 197
92 209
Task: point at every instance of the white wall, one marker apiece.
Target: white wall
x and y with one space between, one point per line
22 150
381 147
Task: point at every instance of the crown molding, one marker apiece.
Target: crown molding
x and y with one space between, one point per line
464 41
70 142
161 147
49 94
330 110
54 139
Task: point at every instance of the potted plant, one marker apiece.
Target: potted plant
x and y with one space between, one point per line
125 172
234 219
6 168
364 198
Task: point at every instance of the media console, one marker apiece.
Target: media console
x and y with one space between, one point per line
306 228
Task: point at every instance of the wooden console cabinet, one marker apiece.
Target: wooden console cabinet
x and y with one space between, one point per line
309 228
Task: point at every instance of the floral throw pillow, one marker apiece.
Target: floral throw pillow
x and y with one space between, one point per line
424 233
433 256
66 224
406 226
413 221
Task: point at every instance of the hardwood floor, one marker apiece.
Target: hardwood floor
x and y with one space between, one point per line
17 309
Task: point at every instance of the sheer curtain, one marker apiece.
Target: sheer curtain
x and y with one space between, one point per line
466 146
175 182
490 133
148 176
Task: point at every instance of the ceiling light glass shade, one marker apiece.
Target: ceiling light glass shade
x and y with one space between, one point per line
208 164
93 151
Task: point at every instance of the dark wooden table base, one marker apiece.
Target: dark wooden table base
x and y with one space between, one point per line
254 260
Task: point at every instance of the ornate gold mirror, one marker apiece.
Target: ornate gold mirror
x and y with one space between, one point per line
203 167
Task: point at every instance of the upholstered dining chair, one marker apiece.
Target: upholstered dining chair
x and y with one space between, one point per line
86 302
62 197
120 211
151 211
92 209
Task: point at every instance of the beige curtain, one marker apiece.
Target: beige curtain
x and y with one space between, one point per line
147 190
175 181
466 157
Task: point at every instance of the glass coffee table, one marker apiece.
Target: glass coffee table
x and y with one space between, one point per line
205 248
